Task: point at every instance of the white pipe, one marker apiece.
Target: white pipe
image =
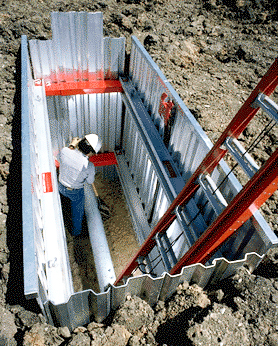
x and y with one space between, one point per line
102 258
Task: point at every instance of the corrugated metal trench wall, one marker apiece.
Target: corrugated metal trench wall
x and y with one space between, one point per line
79 49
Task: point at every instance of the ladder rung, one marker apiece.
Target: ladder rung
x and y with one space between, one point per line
212 193
167 253
267 105
244 159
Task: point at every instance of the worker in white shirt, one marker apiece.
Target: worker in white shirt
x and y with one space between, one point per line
74 170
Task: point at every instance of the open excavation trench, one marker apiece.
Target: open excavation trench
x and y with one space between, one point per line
119 233
154 162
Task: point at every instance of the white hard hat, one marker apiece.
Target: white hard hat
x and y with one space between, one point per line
94 141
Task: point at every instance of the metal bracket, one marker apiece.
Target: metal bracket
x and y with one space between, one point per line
215 197
165 108
267 105
246 162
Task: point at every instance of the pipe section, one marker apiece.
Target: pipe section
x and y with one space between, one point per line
102 258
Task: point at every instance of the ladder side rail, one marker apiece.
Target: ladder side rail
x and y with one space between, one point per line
258 189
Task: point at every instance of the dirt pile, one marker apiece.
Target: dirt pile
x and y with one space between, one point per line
190 317
213 52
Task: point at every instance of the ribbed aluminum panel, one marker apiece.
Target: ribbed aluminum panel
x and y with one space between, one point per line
84 306
78 51
188 146
78 115
31 212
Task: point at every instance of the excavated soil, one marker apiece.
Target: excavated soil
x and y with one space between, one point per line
214 52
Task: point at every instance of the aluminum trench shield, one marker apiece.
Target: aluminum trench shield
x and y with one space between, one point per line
146 180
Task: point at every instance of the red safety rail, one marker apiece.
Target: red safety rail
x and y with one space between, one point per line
246 113
81 87
103 159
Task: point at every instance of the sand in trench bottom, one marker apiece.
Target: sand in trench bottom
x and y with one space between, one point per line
120 236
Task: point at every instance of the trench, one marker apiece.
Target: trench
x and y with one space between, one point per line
119 233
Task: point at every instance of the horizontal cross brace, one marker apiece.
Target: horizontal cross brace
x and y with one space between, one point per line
68 88
103 159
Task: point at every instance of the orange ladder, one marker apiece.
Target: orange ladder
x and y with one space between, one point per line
262 184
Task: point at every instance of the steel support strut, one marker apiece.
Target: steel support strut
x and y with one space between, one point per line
245 114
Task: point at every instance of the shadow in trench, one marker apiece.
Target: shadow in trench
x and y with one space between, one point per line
15 289
174 331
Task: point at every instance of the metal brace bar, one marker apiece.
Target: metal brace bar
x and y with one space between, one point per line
162 251
258 189
267 105
244 159
213 194
169 248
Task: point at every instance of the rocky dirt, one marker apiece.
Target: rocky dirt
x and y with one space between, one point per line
214 52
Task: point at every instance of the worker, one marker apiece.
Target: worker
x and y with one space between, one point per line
74 170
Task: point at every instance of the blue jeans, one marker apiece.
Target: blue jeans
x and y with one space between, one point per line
77 204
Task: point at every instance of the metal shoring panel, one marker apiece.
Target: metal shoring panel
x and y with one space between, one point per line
191 208
115 120
93 110
139 220
148 178
63 117
150 194
58 272
128 132
37 54
63 57
143 82
86 113
153 142
133 149
149 190
114 56
111 129
163 201
98 116
36 201
31 288
147 87
83 305
53 123
136 72
161 205
81 39
141 166
79 115
95 34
